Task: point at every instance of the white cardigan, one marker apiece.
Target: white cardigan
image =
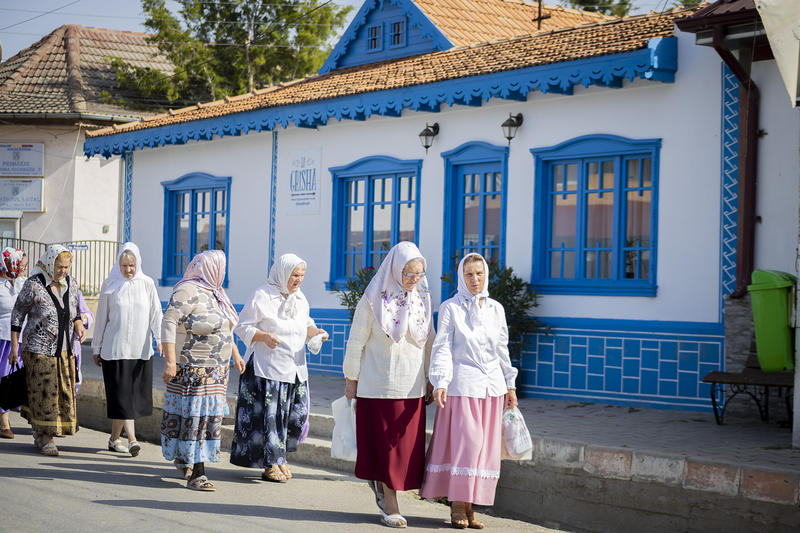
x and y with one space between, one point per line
383 368
125 320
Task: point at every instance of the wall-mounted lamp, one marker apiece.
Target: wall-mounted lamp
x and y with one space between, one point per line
426 136
511 125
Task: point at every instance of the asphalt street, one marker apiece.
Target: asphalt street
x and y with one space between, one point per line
87 488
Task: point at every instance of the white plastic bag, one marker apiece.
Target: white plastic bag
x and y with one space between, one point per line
517 443
343 443
315 343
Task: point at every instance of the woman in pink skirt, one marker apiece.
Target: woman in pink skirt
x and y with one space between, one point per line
472 378
384 366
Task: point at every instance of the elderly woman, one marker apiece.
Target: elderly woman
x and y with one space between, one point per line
128 311
472 378
197 337
273 391
49 302
12 276
385 367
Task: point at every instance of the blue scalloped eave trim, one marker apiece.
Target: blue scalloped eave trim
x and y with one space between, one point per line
657 62
416 18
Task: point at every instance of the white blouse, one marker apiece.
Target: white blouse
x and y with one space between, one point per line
9 289
265 312
472 359
383 368
125 319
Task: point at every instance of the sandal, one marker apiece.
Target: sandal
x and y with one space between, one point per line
6 433
379 499
473 522
458 515
116 446
133 448
201 483
274 474
37 440
50 449
393 520
185 470
286 470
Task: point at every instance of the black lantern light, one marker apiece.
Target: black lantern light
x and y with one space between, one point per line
511 125
426 136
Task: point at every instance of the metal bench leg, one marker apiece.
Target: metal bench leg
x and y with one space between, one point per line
718 413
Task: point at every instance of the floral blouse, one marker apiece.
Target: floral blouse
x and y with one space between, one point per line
47 325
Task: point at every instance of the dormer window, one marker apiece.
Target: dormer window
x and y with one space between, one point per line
375 38
397 33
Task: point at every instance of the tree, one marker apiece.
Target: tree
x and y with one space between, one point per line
222 48
619 8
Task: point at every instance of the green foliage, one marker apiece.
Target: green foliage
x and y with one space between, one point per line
227 48
618 8
354 288
687 3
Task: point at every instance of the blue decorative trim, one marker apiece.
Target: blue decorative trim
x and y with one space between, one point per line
414 17
577 150
470 153
657 62
127 198
370 167
273 198
730 180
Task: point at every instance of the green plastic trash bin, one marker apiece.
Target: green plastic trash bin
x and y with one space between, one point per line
771 296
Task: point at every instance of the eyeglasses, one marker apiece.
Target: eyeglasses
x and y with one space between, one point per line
411 275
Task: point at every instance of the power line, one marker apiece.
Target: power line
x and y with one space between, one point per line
39 16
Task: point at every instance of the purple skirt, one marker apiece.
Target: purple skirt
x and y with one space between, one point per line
5 367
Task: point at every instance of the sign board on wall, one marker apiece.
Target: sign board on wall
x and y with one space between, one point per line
23 159
303 181
22 194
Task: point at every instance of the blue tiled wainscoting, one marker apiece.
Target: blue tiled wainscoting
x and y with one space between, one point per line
329 359
639 363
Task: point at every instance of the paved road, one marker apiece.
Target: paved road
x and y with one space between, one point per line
88 488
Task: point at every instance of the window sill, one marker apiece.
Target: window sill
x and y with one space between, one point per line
593 289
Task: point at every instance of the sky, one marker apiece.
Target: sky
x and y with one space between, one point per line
17 32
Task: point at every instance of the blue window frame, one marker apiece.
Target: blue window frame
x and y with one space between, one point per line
596 200
476 177
196 218
375 206
397 33
375 38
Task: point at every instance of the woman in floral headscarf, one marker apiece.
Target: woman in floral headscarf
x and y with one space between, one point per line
273 391
13 263
49 302
385 365
197 339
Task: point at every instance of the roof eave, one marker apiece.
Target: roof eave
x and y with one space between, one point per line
62 116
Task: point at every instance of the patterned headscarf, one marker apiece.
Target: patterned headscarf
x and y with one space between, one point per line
399 311
46 264
279 278
115 279
207 269
464 296
9 266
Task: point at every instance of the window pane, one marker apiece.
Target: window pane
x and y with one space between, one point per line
407 222
182 251
381 227
564 217
471 235
219 235
608 175
558 178
220 203
572 176
599 219
491 222
556 264
202 221
633 173
597 264
593 176
647 177
644 264
355 228
638 231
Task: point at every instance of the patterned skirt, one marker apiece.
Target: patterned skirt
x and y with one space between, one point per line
463 461
194 406
51 409
270 416
5 368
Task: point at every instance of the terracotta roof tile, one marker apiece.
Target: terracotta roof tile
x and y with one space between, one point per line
611 37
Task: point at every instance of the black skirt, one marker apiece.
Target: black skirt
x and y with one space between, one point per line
129 388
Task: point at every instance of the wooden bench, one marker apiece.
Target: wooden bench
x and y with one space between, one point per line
751 381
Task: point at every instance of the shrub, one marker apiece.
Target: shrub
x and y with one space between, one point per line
354 288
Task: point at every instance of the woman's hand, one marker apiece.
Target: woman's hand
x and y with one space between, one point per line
170 369
272 341
12 356
238 362
429 394
84 319
440 397
97 359
313 331
511 399
350 389
80 330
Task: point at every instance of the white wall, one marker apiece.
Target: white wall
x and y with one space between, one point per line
97 198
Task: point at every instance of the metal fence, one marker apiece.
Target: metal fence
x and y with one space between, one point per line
91 260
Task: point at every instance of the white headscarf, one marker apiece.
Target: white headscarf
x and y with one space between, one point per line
115 279
396 309
464 296
279 278
46 264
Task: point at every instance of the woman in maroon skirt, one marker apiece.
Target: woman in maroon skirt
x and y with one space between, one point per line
385 368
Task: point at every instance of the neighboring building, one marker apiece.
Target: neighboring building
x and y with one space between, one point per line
616 197
51 93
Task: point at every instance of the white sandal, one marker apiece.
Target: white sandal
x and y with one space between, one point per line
133 448
116 446
393 520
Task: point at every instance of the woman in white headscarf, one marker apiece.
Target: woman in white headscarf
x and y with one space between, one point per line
272 408
384 366
472 378
13 263
128 313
